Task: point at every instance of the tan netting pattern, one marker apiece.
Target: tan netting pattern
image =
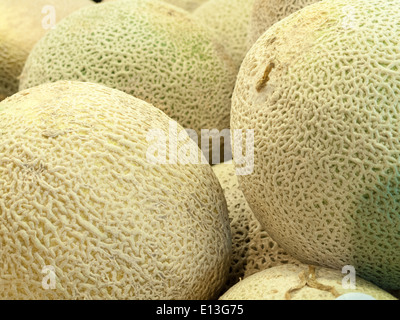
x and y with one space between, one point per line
229 19
267 12
21 26
253 249
326 182
299 282
149 49
78 194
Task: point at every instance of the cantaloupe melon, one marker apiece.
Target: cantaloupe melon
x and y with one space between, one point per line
321 90
253 249
229 19
147 48
79 196
267 12
22 24
300 282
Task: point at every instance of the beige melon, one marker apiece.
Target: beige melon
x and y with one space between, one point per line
86 214
321 91
267 12
253 249
147 48
22 24
300 282
229 19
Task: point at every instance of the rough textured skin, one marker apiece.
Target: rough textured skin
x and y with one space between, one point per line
253 249
326 117
230 21
267 12
279 283
20 28
149 49
78 194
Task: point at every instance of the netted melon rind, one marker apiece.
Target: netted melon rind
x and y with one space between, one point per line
278 283
78 193
21 26
320 89
267 12
149 49
253 249
229 19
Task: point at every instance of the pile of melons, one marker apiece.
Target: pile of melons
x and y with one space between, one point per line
213 149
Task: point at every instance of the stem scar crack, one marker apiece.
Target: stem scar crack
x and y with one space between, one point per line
263 81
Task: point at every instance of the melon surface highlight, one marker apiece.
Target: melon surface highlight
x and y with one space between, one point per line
321 90
253 249
151 50
267 12
229 19
78 194
299 282
21 26
189 5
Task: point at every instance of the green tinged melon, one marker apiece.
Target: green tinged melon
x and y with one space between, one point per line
79 196
300 282
149 49
321 90
229 19
22 24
